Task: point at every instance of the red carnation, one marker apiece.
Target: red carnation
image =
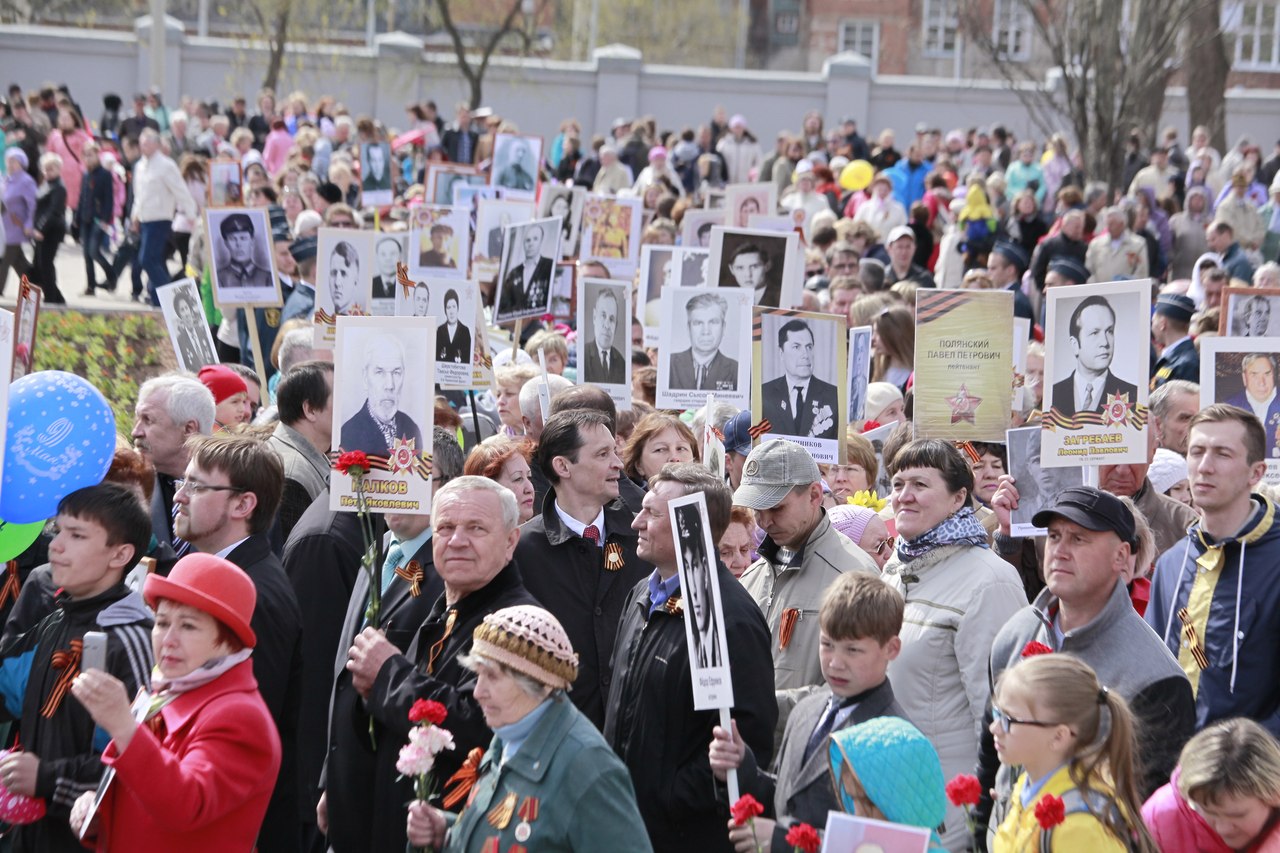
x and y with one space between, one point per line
804 838
1050 811
353 462
868 426
746 808
1034 648
428 711
964 790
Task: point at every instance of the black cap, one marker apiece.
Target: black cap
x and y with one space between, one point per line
1069 268
1014 254
1092 509
303 249
1175 306
277 217
236 223
330 192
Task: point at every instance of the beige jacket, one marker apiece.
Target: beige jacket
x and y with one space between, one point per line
1127 259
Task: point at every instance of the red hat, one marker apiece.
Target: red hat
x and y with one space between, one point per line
222 381
212 585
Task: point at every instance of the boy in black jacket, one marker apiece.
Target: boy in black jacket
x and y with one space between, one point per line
94 215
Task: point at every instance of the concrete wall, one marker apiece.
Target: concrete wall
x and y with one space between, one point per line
537 94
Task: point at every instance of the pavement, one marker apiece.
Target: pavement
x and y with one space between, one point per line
72 282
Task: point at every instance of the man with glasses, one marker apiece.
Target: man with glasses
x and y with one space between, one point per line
1085 611
227 502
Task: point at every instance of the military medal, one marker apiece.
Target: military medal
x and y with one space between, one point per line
490 845
528 813
500 815
612 558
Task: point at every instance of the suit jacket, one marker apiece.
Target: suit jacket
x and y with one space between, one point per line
1064 393
365 777
777 404
514 296
361 433
277 667
593 370
721 375
800 791
383 289
457 350
450 140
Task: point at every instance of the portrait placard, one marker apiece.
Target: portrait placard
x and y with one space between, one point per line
564 291
712 442
658 271
27 319
388 257
244 264
743 201
846 832
442 178
492 216
780 224
466 195
376 166
703 347
344 279
859 371
454 303
529 255
188 331
963 364
696 555
1038 487
225 181
798 378
691 267
695 227
1242 372
383 395
481 378
566 203
1250 312
515 164
764 262
1021 337
604 339
1095 380
440 240
611 233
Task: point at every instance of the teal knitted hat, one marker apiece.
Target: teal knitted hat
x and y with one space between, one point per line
898 768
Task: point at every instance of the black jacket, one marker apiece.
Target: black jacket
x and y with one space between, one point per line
51 211
584 589
650 721
1057 246
277 667
97 198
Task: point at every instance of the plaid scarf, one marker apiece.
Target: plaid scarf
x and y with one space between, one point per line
960 528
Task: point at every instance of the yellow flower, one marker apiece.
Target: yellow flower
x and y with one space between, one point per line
867 498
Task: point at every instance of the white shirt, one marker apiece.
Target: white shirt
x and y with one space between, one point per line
159 191
1094 394
227 550
577 526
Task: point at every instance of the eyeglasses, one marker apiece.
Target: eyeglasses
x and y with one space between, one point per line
885 544
1006 722
195 487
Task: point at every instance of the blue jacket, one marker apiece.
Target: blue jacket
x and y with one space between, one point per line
1237 645
908 181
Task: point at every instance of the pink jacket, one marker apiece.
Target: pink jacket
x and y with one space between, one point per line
70 147
275 151
1176 828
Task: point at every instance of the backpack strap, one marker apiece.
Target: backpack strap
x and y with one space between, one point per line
1094 802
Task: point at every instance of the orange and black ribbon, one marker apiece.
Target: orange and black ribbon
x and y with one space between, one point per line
463 780
760 428
67 660
500 815
12 585
612 556
438 646
787 626
412 575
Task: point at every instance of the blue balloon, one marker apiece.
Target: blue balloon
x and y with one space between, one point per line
61 437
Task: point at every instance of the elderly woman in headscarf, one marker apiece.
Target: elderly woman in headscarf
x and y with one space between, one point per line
1207 261
548 781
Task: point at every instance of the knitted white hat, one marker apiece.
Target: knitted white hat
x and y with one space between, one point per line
529 640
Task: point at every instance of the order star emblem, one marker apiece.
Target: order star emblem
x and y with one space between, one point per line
1117 409
963 405
402 456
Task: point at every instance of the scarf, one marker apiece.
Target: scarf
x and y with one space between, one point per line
198 677
960 528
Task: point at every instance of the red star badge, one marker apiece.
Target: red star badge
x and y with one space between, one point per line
963 405
1117 409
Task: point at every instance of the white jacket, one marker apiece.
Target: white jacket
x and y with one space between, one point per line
740 157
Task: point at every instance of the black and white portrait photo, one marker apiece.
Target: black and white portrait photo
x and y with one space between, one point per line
416 301
565 203
604 339
515 164
700 579
493 216
382 405
243 260
762 262
1038 487
695 227
703 347
657 272
442 179
375 173
388 253
225 183
1249 312
694 264
564 291
859 370
530 251
802 374
344 278
453 306
1086 381
439 240
188 331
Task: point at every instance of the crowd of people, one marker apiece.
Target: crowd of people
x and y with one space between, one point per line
1108 686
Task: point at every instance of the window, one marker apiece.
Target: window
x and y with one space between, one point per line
860 37
1253 34
941 20
1011 29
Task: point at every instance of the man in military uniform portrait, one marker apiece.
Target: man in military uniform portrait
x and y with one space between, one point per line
240 269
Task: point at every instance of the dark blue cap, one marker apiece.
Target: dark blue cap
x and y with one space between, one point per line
1069 268
736 437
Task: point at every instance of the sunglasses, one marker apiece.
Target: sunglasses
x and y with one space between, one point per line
885 544
1007 722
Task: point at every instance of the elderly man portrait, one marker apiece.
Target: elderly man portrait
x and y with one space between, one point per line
704 366
528 283
604 362
380 423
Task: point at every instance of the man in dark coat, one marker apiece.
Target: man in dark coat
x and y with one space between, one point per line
226 505
650 720
1091 384
703 366
459 140
473 539
1069 242
580 552
380 423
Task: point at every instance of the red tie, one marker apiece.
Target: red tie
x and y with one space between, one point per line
593 533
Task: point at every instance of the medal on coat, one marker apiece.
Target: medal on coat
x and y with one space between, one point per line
528 813
500 815
490 845
612 558
412 574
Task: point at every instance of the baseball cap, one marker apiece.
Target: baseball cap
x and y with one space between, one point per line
898 233
736 437
1092 509
771 471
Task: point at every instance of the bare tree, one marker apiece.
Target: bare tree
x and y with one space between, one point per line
669 32
1111 63
513 21
1207 82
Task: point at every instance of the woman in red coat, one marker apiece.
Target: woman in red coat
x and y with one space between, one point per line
196 775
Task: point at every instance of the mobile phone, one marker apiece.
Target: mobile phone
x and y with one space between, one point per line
94 655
